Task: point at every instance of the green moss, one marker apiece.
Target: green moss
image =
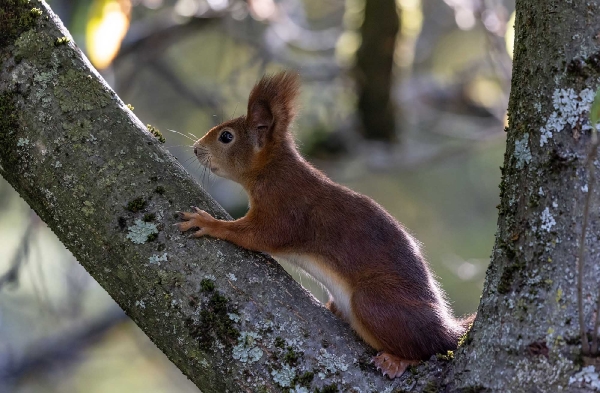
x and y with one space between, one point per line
214 323
152 237
304 380
508 249
136 205
465 339
291 357
16 16
449 355
8 126
78 91
77 131
62 41
160 190
148 217
156 132
169 278
507 278
218 302
332 388
431 387
534 200
207 285
35 46
413 370
88 208
473 389
35 13
279 342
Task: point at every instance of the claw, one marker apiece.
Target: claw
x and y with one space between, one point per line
391 366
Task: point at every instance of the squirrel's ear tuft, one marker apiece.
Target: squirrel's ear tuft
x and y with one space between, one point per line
272 103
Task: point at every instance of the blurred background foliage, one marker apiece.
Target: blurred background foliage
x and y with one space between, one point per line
404 101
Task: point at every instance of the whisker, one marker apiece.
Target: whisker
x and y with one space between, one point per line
168 147
193 135
209 171
177 132
236 106
204 169
188 160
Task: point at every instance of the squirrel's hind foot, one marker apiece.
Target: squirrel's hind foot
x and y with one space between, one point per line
392 365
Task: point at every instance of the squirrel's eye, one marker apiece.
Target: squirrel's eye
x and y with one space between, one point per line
226 137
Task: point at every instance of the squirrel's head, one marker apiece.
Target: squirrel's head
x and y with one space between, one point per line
239 149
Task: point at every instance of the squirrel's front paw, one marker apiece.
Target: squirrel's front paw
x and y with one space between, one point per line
199 219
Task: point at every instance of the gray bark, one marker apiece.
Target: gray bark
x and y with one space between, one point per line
526 336
233 320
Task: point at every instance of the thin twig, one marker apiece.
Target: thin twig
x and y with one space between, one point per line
20 257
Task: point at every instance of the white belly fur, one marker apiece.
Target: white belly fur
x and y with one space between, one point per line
333 283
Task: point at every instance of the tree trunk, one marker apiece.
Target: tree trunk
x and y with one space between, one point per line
526 336
374 69
233 320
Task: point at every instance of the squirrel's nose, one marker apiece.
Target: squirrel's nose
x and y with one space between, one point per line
195 150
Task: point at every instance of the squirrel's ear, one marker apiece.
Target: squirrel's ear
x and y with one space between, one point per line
272 104
259 121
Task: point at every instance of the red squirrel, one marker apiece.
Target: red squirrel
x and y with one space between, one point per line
378 280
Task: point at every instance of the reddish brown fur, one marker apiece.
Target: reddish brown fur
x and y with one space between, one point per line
396 305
